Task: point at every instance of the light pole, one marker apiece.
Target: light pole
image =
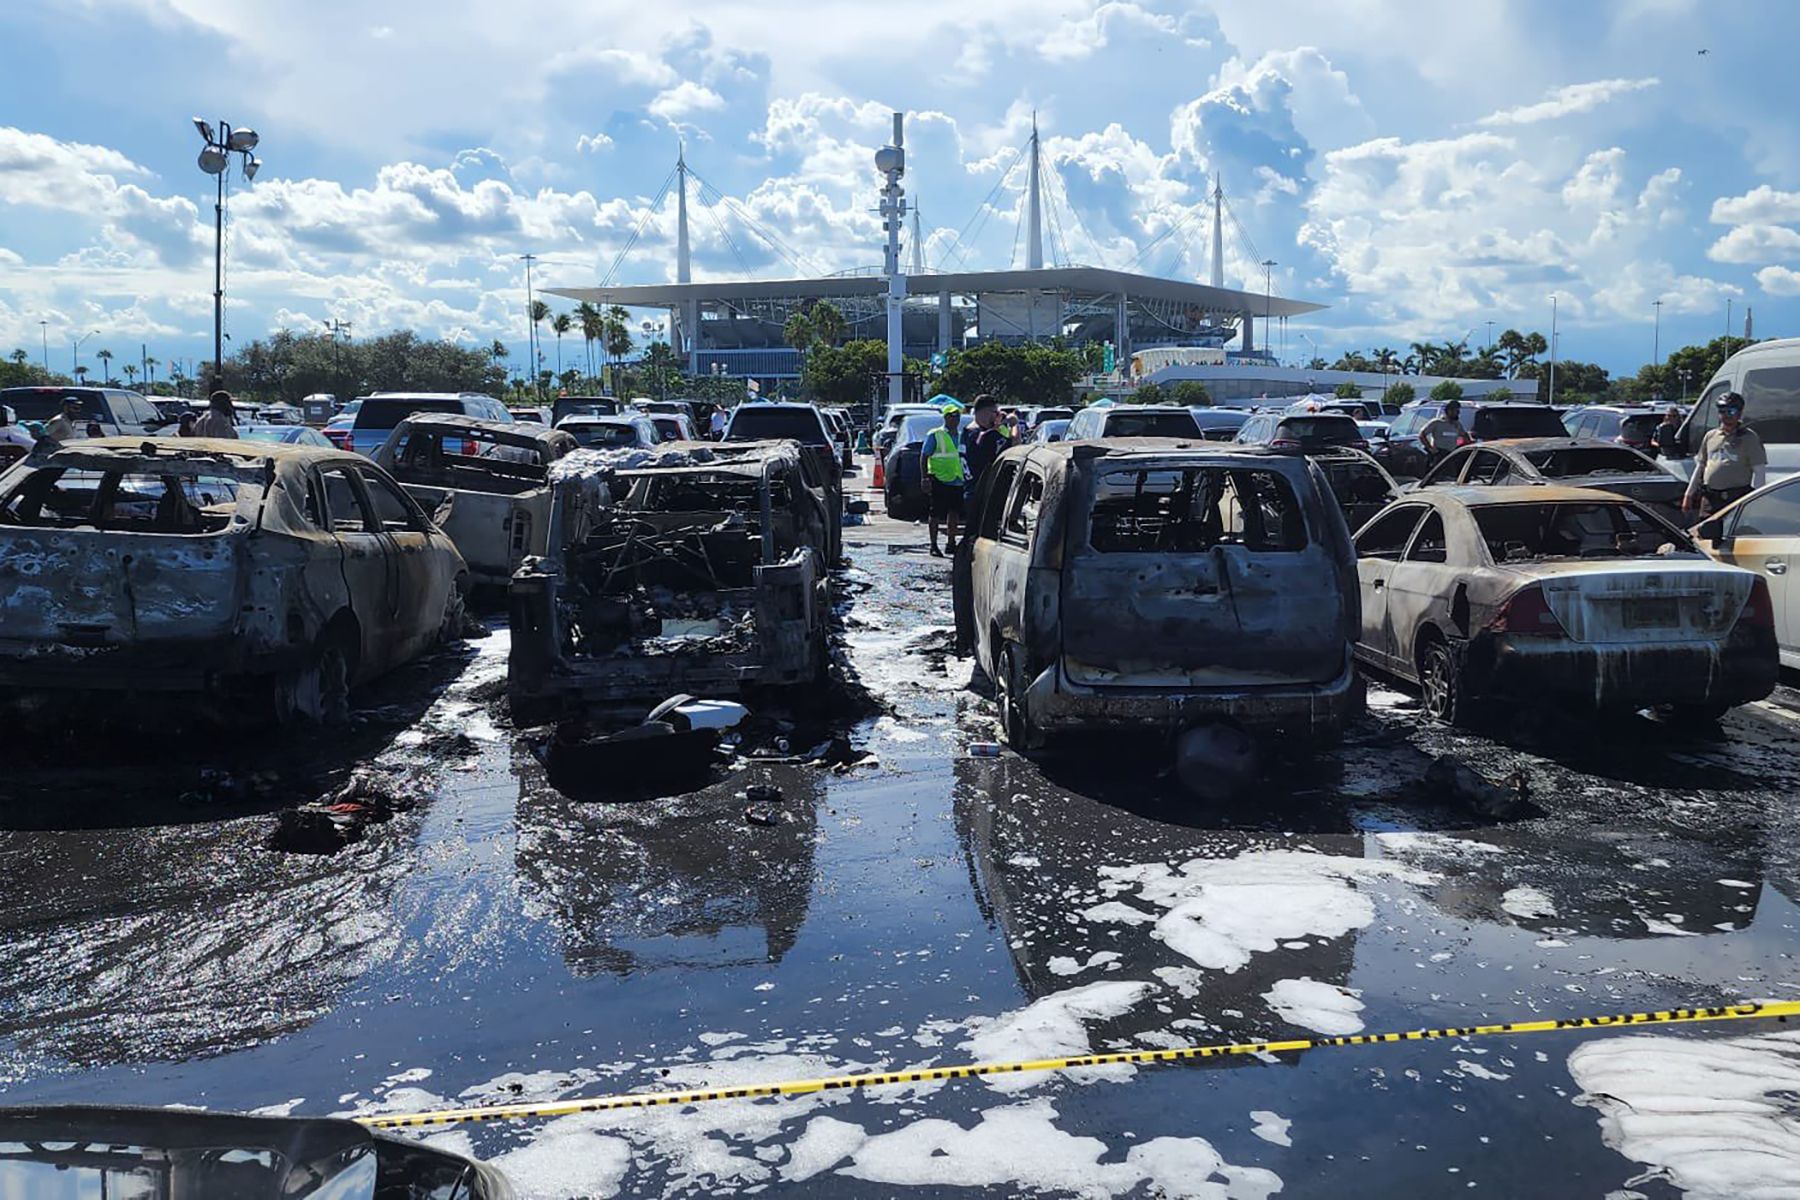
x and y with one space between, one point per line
1685 372
1268 266
221 143
1490 344
1728 326
339 330
1656 334
1552 349
75 351
44 333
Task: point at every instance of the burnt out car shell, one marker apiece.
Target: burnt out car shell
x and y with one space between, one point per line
315 544
498 494
1621 631
1082 631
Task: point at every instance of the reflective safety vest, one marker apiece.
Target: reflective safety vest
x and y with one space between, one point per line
943 460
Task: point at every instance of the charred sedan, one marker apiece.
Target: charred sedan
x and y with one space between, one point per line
1572 462
692 567
1541 592
486 481
265 580
1144 583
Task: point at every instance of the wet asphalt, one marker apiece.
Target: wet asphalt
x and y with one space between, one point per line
506 941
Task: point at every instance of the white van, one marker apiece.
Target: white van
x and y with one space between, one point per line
1767 376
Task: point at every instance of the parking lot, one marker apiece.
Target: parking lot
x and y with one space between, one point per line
505 941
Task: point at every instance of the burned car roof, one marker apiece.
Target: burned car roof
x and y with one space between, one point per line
229 455
505 432
1484 495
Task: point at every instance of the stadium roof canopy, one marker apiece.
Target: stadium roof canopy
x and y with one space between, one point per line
1092 281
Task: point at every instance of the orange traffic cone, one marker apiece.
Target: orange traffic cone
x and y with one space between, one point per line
880 476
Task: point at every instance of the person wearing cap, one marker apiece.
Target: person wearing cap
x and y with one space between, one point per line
983 442
219 421
945 476
1730 463
1443 434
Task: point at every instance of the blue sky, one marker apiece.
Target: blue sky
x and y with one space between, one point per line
1421 168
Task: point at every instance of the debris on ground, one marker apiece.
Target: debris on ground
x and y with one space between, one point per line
984 749
1450 779
762 814
338 818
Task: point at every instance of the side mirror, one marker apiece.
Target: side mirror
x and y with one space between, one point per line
441 515
1713 530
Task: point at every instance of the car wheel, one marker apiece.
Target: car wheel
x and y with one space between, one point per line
317 691
450 628
1445 697
1016 724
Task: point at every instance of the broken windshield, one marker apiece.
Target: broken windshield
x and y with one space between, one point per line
1176 423
1192 509
123 501
1523 532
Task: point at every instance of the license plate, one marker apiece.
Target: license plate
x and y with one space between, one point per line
1642 613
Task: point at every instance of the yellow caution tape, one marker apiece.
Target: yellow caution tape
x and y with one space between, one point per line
1781 1009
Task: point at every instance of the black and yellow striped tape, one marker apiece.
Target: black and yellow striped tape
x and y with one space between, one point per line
1780 1009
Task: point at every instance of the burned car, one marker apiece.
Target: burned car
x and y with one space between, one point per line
493 476
689 567
1542 592
1151 583
264 580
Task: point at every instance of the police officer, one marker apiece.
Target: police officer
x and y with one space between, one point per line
1730 463
945 475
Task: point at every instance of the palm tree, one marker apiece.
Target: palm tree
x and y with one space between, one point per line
150 365
560 324
539 312
130 375
799 331
593 328
1385 360
617 337
105 357
81 373
828 322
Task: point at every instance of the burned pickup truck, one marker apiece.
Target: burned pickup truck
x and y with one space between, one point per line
688 567
255 580
486 481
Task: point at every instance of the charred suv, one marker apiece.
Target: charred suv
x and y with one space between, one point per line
689 567
261 580
1151 583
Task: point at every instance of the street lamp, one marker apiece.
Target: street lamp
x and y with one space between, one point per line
44 334
340 331
1268 265
75 351
215 159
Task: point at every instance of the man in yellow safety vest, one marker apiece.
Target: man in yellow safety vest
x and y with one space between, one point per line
943 474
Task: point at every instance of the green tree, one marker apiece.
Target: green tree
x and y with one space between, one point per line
1447 390
560 324
846 374
1398 394
593 328
1031 373
1148 393
1347 391
19 357
1498 395
1700 363
539 313
130 375
661 371
1386 361
1353 361
799 331
105 357
1191 393
828 323
618 337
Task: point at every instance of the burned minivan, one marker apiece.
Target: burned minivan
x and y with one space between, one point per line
486 482
688 567
249 580
1145 583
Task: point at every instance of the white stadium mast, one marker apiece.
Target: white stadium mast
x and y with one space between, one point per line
890 160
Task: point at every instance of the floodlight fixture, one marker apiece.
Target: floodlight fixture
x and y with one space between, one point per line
243 139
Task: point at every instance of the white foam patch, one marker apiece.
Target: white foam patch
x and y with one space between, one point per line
1321 1007
1053 1027
1271 1127
284 1109
567 1158
1527 903
1715 1117
1062 964
1018 1148
1219 912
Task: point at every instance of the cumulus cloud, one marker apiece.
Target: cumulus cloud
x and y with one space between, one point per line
1761 205
592 143
1568 101
1081 37
1779 281
686 98
1756 244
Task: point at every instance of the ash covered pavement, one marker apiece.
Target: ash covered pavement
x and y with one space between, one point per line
501 941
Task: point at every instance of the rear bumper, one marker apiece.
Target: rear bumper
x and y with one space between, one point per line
1735 670
1305 710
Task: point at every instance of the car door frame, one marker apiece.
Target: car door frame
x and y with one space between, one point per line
1432 582
1765 554
1374 577
363 553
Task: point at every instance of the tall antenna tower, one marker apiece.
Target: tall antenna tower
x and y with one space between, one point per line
1218 249
918 242
1034 226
